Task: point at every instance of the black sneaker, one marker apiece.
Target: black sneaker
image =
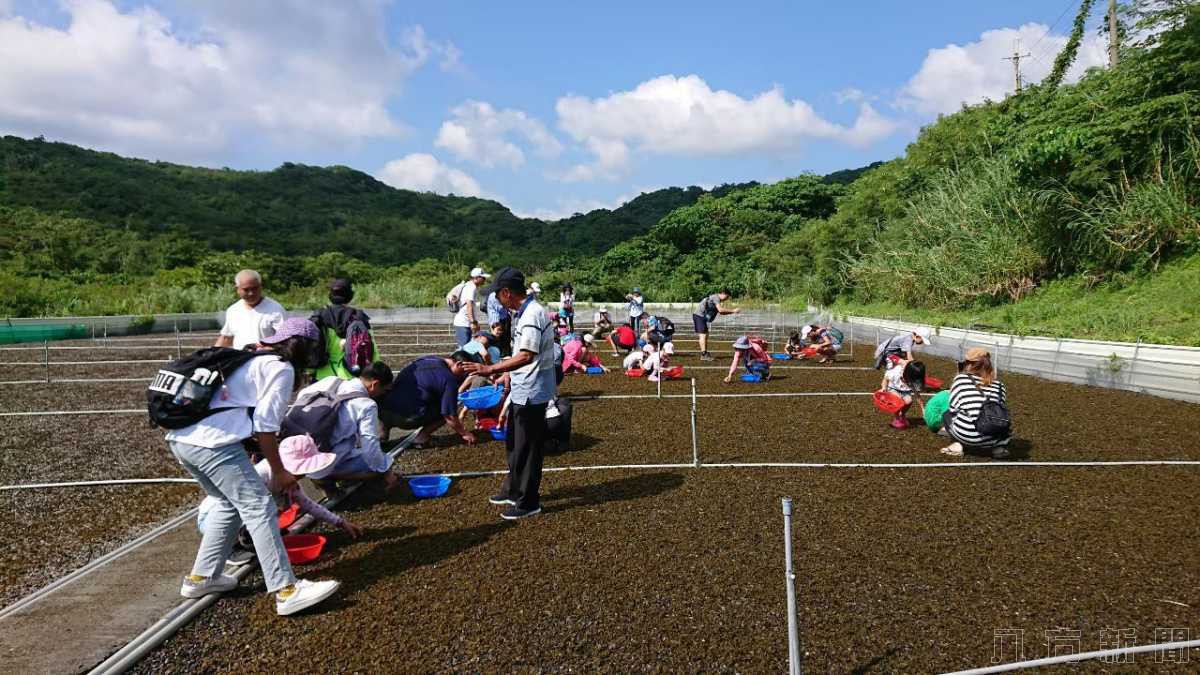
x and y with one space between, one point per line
501 500
705 356
515 512
239 557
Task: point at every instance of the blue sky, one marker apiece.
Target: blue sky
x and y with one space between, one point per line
550 107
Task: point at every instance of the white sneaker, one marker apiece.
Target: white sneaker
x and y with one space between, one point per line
307 594
952 451
222 583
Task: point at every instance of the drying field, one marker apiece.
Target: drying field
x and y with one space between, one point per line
669 568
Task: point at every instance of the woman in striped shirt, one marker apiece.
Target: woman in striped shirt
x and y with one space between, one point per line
975 384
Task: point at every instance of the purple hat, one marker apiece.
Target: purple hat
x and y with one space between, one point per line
294 327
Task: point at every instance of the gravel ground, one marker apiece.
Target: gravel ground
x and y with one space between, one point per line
682 571
724 612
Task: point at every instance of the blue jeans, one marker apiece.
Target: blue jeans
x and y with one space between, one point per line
227 475
462 335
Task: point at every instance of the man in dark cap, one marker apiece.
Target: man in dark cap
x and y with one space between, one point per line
531 377
343 329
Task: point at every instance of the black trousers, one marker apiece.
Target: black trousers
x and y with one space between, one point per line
525 441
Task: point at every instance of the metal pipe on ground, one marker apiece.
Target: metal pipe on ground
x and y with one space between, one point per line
790 576
149 640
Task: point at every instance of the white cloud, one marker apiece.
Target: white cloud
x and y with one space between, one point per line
684 116
423 172
292 71
849 95
482 134
972 73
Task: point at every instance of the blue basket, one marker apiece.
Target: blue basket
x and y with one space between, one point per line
482 398
498 434
751 377
781 357
595 370
427 487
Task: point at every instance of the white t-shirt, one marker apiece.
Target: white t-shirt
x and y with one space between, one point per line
248 325
464 317
264 384
356 431
633 360
895 379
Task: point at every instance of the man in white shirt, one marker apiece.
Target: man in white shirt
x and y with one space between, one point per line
251 318
355 438
466 320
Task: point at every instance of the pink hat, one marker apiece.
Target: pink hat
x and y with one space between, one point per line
300 456
291 328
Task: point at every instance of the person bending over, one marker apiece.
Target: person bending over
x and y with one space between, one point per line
751 351
706 312
905 379
425 397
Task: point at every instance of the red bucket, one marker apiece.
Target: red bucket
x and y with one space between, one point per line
288 516
303 548
673 372
888 402
635 372
809 352
486 423
933 383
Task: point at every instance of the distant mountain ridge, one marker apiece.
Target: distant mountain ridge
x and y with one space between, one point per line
306 210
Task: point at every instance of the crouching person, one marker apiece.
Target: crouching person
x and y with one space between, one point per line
978 417
250 402
299 456
905 379
343 418
425 397
751 351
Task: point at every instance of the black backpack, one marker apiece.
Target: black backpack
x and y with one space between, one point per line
994 420
180 393
316 414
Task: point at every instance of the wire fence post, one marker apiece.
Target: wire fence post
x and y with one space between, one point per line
659 376
178 344
1133 364
695 443
46 358
793 630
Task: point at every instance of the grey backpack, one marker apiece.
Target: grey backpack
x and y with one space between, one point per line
316 414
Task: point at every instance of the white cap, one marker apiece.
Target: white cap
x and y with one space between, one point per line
806 330
669 348
648 348
925 334
603 310
588 339
478 272
537 288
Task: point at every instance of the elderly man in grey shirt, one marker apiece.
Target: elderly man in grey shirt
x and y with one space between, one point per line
531 377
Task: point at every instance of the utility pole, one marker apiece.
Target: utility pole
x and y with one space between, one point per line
1113 33
1016 61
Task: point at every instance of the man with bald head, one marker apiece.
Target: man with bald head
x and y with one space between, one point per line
251 318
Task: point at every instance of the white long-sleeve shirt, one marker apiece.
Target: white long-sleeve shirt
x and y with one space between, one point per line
356 431
264 384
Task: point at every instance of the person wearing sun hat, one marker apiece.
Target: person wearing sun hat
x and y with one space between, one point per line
753 353
252 403
300 457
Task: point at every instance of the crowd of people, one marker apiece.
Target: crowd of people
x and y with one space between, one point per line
310 397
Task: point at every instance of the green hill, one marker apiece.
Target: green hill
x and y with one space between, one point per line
301 210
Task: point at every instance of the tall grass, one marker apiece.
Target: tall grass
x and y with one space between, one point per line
969 238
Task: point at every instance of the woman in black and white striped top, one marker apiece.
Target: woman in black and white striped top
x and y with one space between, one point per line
975 384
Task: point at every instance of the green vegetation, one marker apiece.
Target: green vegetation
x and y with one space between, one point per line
1064 209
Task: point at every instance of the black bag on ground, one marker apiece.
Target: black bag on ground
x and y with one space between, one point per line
558 428
316 414
994 419
180 393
